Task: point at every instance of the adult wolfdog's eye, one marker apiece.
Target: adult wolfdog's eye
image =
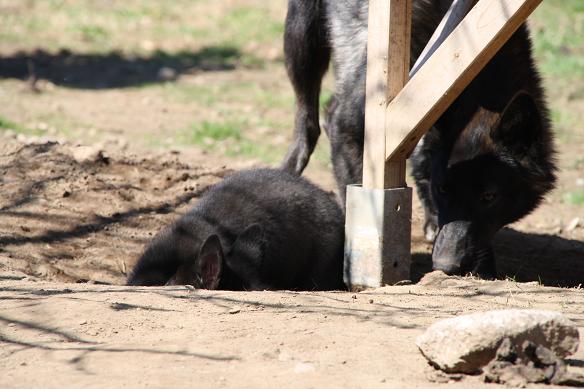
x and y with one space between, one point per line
488 197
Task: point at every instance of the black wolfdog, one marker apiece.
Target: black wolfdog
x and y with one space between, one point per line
257 229
487 161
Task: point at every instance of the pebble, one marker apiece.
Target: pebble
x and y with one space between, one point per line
303 367
167 74
575 223
87 154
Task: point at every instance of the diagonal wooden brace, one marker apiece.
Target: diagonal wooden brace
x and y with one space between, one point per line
458 60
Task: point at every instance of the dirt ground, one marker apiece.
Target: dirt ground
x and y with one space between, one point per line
173 111
70 335
68 225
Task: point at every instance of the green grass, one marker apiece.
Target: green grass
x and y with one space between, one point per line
9 125
557 29
233 93
62 125
324 99
247 24
575 197
91 26
212 132
578 164
6 124
227 137
558 32
224 35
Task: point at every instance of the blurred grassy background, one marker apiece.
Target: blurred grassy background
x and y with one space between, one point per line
209 74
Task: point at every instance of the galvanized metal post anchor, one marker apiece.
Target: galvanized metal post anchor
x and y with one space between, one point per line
377 237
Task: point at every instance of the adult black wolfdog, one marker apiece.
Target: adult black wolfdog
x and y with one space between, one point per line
486 162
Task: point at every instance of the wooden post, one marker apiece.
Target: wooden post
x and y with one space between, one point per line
378 222
388 64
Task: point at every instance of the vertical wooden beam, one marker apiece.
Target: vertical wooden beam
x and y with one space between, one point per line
378 217
388 63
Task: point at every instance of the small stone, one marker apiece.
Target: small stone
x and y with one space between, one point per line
303 367
167 74
82 322
354 297
370 301
284 357
545 356
506 351
86 154
233 311
466 343
574 223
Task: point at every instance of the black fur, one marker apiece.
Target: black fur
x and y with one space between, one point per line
487 161
257 229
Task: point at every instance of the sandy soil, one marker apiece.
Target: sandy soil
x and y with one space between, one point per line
70 231
70 335
85 223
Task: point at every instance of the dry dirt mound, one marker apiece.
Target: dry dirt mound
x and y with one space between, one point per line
70 214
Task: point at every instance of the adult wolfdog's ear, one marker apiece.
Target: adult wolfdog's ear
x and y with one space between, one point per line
520 127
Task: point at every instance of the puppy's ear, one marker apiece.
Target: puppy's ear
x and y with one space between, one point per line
520 127
185 274
246 257
249 245
209 264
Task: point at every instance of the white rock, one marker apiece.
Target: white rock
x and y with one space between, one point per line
303 367
575 223
86 154
465 344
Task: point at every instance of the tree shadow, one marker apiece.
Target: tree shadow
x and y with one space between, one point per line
548 259
86 347
115 69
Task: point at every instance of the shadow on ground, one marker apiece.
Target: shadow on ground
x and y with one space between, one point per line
68 221
548 259
114 69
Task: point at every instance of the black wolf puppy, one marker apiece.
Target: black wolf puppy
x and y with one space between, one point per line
486 163
257 229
